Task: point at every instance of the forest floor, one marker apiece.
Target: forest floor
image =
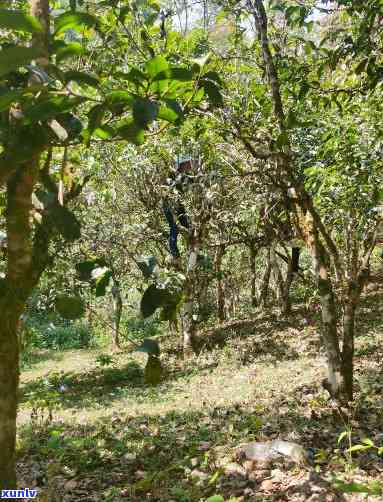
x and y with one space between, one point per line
92 432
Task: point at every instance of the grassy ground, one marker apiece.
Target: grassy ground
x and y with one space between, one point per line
90 432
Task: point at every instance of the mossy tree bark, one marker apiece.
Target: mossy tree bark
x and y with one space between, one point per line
26 258
14 291
9 381
266 280
352 299
187 320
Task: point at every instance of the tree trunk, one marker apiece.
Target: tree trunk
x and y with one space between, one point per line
348 348
286 300
354 292
14 291
253 271
220 289
334 383
173 327
117 311
23 271
89 315
188 325
40 40
9 382
340 366
265 281
278 278
187 322
330 335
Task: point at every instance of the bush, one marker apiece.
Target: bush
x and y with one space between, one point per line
54 333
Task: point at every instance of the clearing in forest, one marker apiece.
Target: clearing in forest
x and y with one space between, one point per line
96 432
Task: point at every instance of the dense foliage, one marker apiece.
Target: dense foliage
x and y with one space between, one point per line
169 171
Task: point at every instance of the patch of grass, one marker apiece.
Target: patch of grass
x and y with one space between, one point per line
108 433
31 358
97 387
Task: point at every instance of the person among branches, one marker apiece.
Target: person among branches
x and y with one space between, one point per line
174 210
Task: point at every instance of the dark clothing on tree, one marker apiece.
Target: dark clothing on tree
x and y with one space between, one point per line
173 227
176 212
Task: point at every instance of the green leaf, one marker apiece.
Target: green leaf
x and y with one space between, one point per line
124 11
130 131
51 107
66 223
282 140
181 74
155 5
75 21
214 94
309 26
152 299
358 447
147 264
134 75
144 111
65 51
358 488
19 20
215 477
170 111
215 498
119 99
104 132
201 61
292 120
149 346
199 95
95 117
375 487
70 307
156 65
102 283
14 57
82 78
291 11
343 434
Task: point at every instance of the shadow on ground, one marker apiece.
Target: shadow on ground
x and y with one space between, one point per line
182 456
98 387
179 455
29 359
95 387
